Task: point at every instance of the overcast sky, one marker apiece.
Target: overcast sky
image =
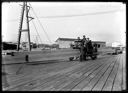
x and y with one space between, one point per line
98 21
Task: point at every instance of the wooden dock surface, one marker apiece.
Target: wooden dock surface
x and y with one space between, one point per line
103 74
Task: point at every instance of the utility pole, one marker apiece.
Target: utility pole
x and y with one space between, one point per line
26 8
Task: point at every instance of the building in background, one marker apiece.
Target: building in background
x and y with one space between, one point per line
66 43
48 46
99 44
9 46
118 45
13 45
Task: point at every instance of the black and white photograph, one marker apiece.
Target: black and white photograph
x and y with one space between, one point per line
63 46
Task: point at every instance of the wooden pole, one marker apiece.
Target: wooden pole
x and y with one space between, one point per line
25 7
20 28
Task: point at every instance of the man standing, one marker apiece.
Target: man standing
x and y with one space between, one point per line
83 48
90 47
78 42
87 43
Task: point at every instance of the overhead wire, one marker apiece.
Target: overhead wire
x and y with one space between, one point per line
85 14
40 23
76 15
36 29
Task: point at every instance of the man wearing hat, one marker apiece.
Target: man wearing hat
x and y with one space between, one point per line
84 49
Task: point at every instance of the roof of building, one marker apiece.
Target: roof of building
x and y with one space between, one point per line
66 39
9 42
72 39
98 41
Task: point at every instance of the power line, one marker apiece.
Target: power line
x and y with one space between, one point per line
40 23
85 14
77 15
36 29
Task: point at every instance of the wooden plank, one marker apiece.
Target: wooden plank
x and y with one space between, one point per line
88 83
53 67
94 81
38 74
102 80
71 84
72 73
109 83
61 80
30 69
33 77
72 76
124 72
52 74
69 79
43 69
4 80
118 80
81 85
65 82
23 71
52 82
46 78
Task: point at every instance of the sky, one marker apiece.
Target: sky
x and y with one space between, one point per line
103 21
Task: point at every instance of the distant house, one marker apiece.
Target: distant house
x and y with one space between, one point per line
99 44
48 46
116 44
66 43
9 46
24 45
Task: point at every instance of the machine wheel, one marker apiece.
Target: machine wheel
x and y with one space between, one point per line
71 58
121 52
12 54
84 57
93 57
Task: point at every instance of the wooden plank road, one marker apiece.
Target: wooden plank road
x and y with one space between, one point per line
50 73
124 72
92 77
118 77
27 78
109 83
76 74
103 74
